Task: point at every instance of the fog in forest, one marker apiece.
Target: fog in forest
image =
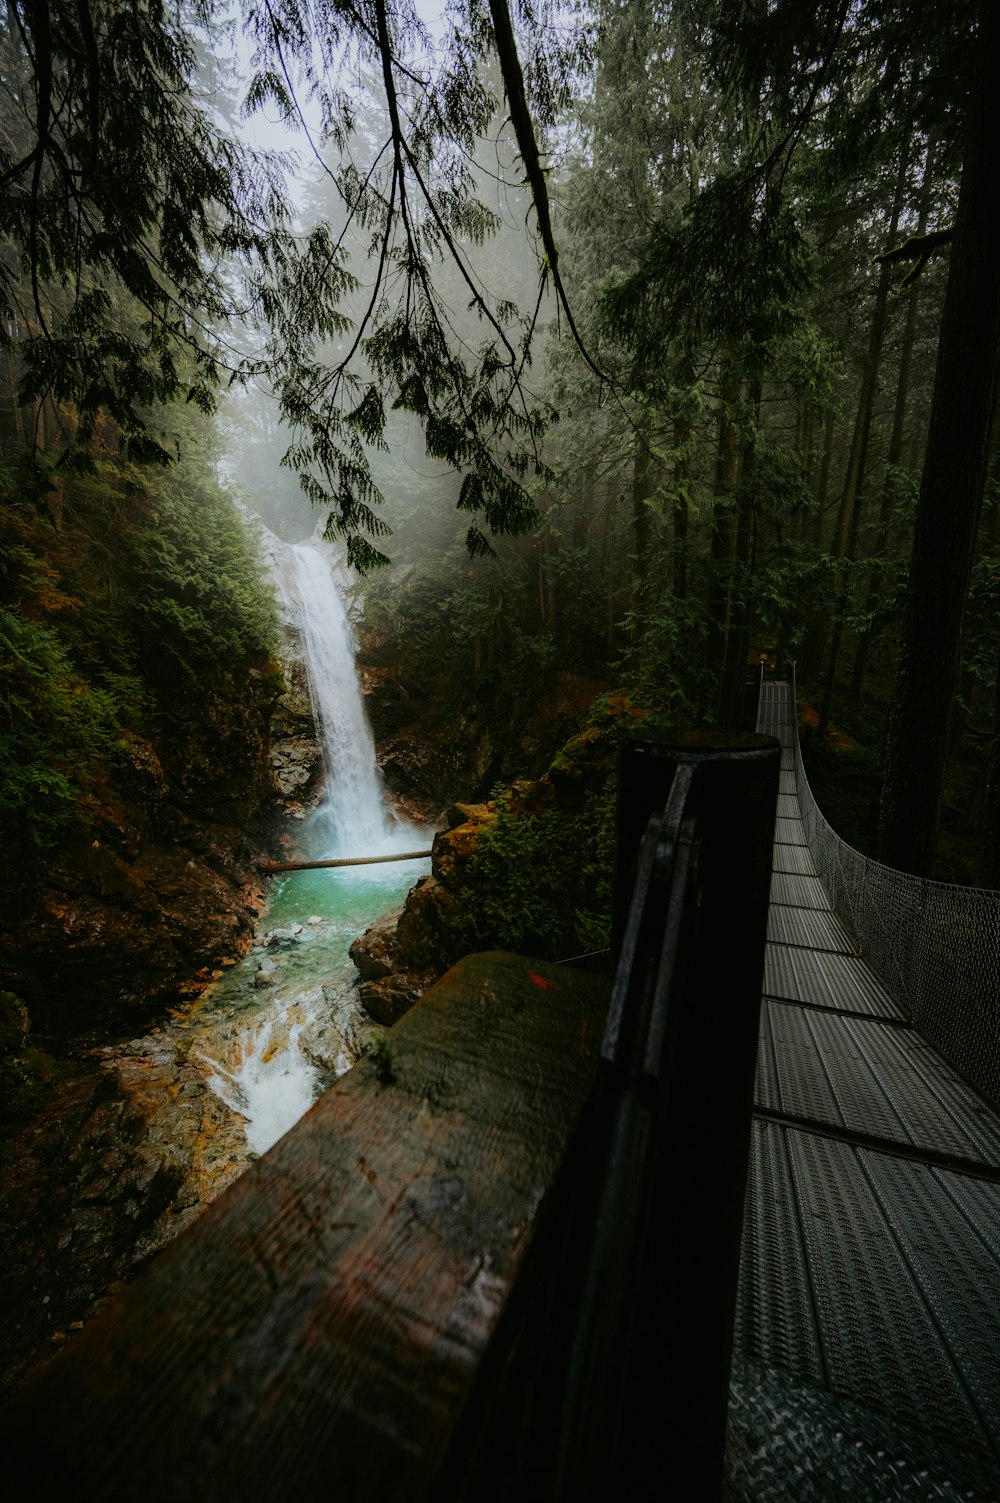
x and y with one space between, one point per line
412 415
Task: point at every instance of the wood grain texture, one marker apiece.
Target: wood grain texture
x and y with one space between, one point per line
317 1332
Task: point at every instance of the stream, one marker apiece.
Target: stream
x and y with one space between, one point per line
283 1023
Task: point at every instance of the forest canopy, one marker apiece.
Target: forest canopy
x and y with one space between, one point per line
756 230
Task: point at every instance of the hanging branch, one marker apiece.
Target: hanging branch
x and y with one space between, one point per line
513 78
918 249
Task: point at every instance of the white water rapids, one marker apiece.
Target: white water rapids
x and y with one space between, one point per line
271 1082
290 1021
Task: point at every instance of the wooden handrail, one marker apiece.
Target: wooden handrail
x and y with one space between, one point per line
320 1329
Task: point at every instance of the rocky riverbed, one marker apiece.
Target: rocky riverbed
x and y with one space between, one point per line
140 1134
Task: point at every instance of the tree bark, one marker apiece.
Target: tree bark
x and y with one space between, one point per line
608 562
890 490
951 492
738 643
642 489
682 470
814 641
823 479
726 476
849 515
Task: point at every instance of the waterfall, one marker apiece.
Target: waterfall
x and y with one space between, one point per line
261 1058
352 817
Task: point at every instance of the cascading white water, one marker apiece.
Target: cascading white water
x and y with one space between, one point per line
262 1070
271 1082
353 809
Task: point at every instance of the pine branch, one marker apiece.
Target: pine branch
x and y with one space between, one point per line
524 131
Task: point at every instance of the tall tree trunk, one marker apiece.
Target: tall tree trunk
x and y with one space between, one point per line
643 485
682 470
738 644
814 641
608 563
846 533
551 618
805 438
805 445
951 492
726 476
890 490
12 420
823 480
849 515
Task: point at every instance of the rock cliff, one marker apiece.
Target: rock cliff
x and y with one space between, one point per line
154 884
435 746
528 870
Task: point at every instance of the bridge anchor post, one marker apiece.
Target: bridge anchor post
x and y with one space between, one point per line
648 1385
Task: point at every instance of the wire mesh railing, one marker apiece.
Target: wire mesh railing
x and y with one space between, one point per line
934 945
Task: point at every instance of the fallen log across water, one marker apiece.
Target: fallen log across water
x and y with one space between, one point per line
301 866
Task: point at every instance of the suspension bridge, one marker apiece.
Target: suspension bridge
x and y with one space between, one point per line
389 1304
870 1275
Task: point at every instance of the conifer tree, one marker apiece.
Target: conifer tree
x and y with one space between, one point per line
864 76
951 491
119 184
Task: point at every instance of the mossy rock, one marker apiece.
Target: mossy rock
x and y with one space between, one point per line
617 713
583 758
14 1024
588 758
25 1083
454 849
530 799
469 814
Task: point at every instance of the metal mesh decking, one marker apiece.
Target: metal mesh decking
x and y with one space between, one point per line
868 1330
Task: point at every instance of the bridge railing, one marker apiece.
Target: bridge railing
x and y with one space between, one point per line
934 945
672 1114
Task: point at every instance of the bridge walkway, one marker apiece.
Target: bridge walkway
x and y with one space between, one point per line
870 1271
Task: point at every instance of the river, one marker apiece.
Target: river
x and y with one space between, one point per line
283 1023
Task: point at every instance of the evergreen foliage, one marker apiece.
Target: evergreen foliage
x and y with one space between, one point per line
737 234
120 199
58 729
540 884
142 242
539 880
136 615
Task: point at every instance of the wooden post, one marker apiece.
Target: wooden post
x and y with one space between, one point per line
649 1387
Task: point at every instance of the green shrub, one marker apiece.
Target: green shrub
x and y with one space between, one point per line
137 611
540 882
55 727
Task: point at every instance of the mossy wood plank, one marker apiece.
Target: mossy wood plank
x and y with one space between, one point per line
317 1332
